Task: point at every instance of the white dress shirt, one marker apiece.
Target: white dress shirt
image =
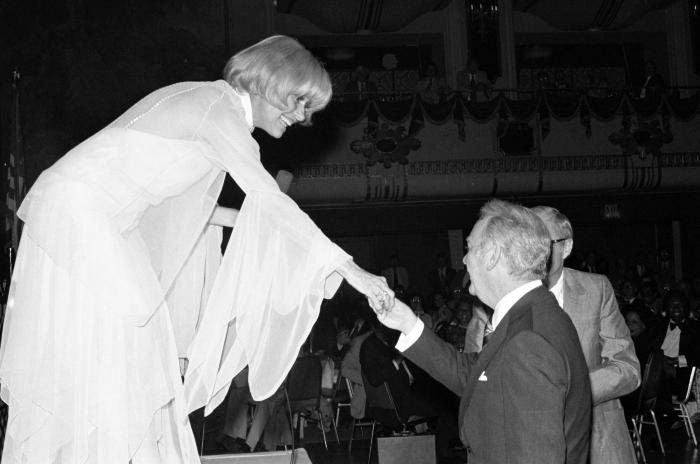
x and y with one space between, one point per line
558 290
502 307
672 342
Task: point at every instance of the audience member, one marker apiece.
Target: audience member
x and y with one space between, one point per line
455 331
360 87
416 303
441 312
628 295
432 87
644 340
526 397
680 346
474 83
236 436
613 368
380 362
395 274
351 369
440 278
653 84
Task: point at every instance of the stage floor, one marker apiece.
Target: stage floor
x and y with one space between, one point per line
679 449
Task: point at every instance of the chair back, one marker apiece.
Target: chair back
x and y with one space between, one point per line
651 382
691 382
342 391
304 383
381 403
348 385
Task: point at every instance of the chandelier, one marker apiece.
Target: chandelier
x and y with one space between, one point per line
482 16
482 10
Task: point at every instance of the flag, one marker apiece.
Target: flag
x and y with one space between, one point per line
14 165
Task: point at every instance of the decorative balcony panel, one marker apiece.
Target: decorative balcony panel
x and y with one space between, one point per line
459 149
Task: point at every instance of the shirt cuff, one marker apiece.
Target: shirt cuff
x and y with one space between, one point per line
405 341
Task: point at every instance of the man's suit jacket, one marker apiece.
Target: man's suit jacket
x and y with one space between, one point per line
526 397
376 361
614 371
434 279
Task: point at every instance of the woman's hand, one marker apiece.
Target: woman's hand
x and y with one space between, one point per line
375 288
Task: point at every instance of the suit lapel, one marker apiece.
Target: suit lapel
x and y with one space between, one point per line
486 355
499 337
575 295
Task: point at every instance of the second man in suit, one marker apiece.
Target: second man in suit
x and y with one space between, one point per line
613 367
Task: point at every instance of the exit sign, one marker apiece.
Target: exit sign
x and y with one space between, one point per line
611 211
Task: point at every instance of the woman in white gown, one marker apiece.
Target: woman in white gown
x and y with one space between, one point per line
118 273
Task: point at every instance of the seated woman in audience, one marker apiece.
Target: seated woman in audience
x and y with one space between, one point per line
455 331
441 312
416 304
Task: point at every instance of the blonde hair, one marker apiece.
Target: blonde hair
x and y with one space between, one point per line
280 70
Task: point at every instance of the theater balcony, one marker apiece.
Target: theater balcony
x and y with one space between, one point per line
397 148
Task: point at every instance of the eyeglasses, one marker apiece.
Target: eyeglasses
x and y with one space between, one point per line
557 240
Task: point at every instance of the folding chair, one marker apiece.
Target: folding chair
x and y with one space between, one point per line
651 382
303 389
384 412
341 397
361 423
681 405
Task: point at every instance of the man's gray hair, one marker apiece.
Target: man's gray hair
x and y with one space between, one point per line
555 221
520 235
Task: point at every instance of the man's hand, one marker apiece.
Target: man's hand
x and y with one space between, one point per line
400 317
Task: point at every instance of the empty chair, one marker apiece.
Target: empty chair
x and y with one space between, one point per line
648 391
681 405
304 392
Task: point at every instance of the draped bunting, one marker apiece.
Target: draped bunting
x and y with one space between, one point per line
560 106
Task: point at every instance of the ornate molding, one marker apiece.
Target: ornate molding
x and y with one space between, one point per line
453 167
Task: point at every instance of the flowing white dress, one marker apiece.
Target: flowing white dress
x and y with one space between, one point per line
117 275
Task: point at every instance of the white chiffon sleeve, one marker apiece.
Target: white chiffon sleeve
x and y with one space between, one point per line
276 270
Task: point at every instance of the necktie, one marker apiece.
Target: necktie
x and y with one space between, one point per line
673 325
488 331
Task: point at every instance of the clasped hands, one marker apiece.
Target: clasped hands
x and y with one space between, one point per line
390 311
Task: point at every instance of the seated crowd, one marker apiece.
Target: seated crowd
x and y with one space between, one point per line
661 314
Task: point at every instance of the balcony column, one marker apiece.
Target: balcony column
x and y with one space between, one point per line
507 44
455 41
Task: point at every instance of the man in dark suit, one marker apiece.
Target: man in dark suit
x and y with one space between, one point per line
526 396
440 278
679 342
380 362
589 300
